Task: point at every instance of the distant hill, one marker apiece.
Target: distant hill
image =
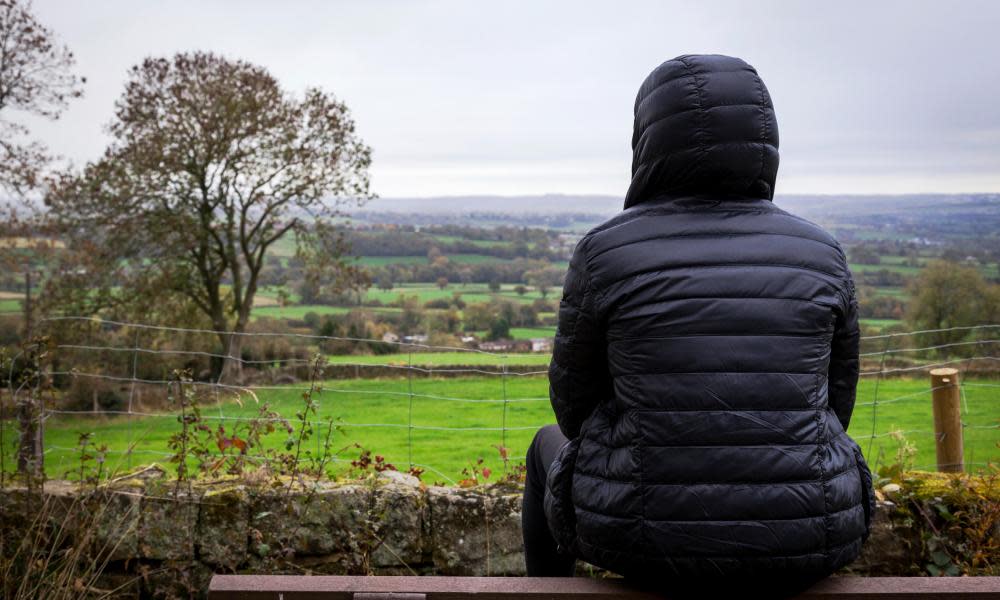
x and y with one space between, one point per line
541 205
978 214
598 204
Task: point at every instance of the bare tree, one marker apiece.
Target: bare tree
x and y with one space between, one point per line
211 163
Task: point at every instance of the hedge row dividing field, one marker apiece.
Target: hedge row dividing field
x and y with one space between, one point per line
456 421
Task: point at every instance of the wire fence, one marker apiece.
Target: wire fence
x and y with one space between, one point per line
113 396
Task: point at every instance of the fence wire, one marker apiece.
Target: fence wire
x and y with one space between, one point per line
456 429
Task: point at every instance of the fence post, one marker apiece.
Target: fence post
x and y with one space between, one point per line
30 452
947 420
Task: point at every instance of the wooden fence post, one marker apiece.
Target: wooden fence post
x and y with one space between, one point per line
947 420
30 451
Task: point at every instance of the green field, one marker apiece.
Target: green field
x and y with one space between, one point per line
880 324
481 243
896 259
526 333
991 271
471 293
450 431
893 292
381 261
423 359
299 311
284 247
425 292
897 268
10 305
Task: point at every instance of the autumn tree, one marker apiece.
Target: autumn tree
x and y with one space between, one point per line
947 294
211 163
499 329
36 78
544 279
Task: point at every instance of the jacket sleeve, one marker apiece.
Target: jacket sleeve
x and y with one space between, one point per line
844 361
578 374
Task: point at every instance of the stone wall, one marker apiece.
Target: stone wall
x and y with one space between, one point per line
168 540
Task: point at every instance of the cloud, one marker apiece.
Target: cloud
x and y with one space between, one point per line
527 97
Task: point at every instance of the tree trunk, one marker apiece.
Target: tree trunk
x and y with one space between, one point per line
25 441
30 450
232 365
28 332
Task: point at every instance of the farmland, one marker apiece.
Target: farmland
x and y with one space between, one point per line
428 273
459 420
430 359
885 260
445 281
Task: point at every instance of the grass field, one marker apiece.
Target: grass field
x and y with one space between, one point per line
425 292
880 323
375 413
526 333
284 247
893 292
299 311
897 268
380 261
896 259
471 293
430 359
10 305
480 243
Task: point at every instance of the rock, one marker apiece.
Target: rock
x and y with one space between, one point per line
399 477
17 509
476 533
890 488
400 520
324 521
389 524
168 524
113 514
223 527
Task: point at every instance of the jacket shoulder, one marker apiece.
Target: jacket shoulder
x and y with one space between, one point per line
600 234
810 229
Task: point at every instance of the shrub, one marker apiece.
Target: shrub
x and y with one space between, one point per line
85 392
10 330
440 303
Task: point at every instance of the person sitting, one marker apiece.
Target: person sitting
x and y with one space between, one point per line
705 364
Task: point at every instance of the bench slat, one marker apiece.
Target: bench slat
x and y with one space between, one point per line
293 587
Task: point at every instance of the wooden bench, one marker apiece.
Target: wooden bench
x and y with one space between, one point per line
291 587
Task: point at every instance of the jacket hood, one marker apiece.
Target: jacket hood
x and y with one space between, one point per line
704 124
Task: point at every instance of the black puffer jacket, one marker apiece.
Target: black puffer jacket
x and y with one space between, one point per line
707 355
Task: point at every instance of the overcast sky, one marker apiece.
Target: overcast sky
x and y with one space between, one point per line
533 97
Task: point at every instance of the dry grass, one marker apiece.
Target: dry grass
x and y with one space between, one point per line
57 544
